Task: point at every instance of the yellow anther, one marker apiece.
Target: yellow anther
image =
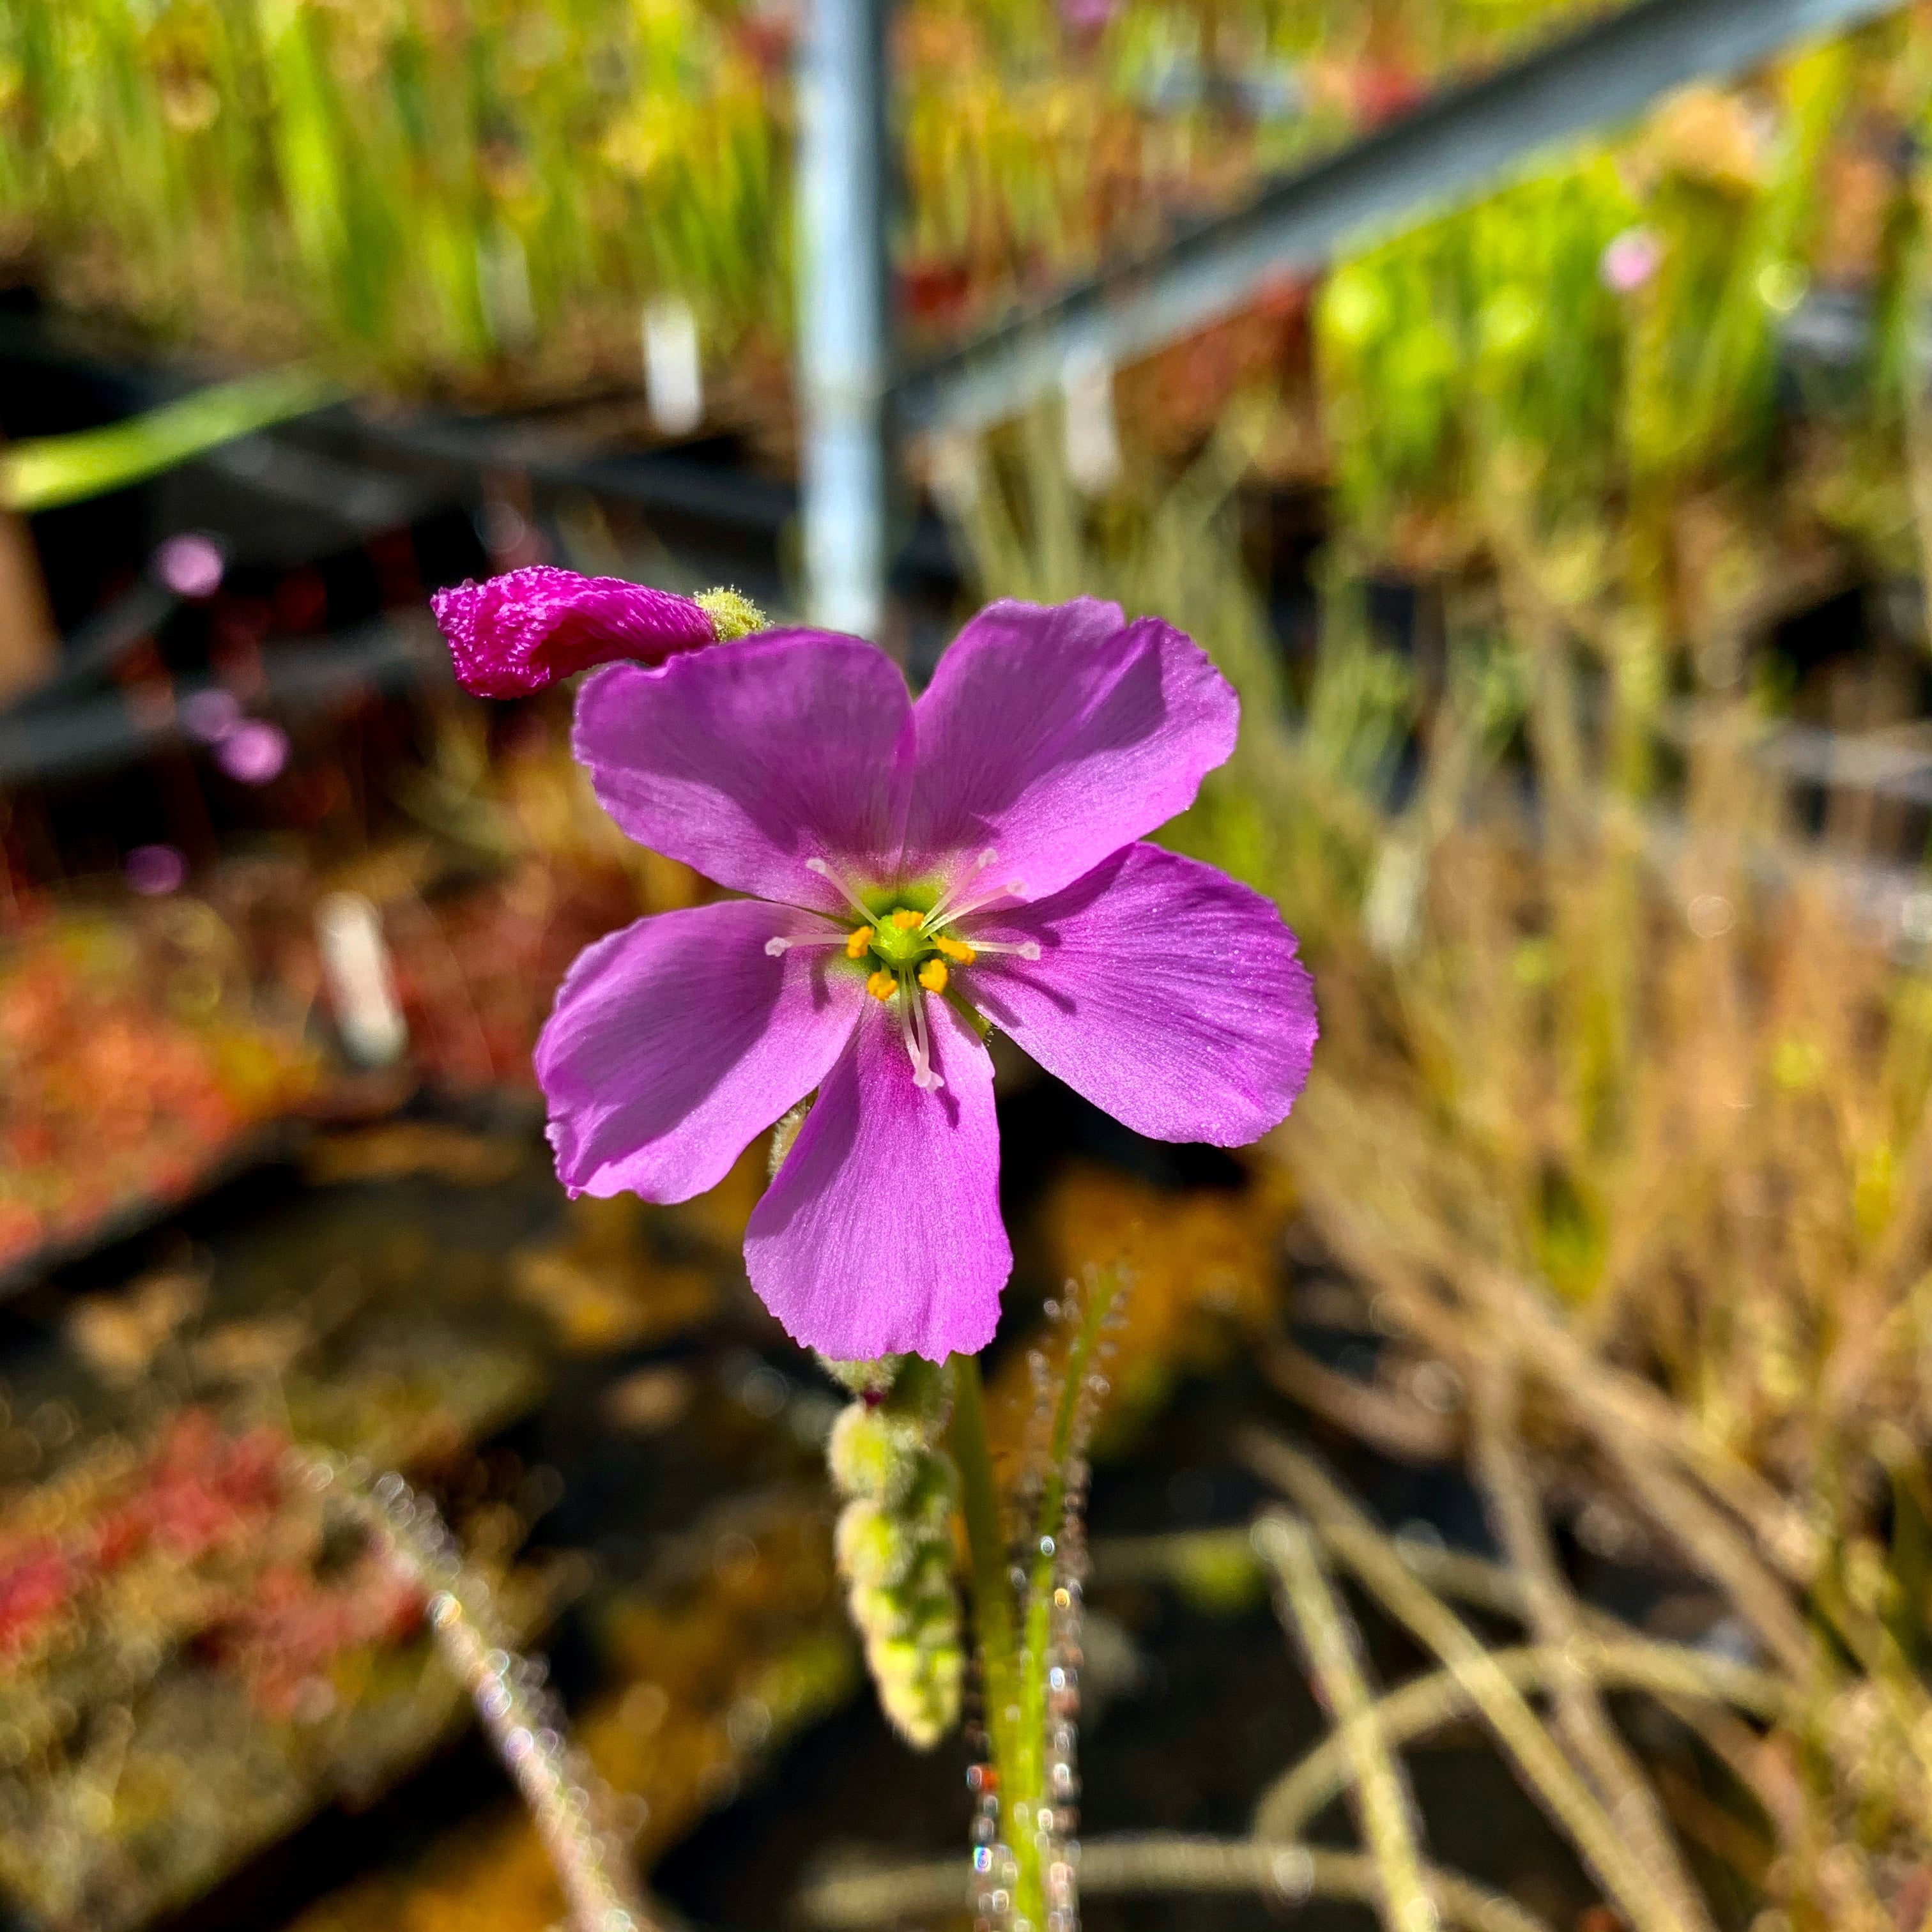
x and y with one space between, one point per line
956 950
932 976
857 941
881 986
905 919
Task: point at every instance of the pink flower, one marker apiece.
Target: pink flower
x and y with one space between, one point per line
513 634
916 873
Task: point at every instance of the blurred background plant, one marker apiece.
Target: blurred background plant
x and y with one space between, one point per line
480 200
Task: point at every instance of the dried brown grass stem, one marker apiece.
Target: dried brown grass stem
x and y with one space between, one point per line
1156 1862
1426 1704
1630 1886
1556 1620
1385 1807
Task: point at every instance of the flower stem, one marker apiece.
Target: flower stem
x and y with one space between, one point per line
1051 1518
1014 1610
994 1616
1045 1557
992 1595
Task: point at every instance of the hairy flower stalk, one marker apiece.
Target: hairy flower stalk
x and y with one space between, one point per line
1027 1613
894 1539
571 1806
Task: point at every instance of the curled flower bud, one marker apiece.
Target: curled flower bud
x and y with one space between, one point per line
513 634
894 1540
872 1552
875 1452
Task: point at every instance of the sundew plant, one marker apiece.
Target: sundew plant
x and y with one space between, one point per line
1616 1130
914 875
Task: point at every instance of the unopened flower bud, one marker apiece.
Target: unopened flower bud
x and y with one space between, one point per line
783 1134
894 1540
875 1452
919 1686
874 1379
873 1551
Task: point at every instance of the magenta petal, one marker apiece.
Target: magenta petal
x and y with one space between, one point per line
675 1041
1164 992
745 763
513 634
881 1234
1056 735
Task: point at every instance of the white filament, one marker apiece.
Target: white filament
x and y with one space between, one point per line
833 878
943 910
911 1010
924 1073
774 947
1013 888
1027 949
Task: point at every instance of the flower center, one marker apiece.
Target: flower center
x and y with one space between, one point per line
900 939
911 951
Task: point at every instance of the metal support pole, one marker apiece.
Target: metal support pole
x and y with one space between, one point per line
844 366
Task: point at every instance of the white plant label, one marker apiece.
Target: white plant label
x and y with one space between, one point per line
1092 437
674 372
361 982
503 276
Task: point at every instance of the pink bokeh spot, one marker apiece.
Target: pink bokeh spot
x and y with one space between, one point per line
190 565
211 716
1629 260
153 871
253 753
1087 17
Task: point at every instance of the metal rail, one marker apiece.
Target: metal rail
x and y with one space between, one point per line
1446 151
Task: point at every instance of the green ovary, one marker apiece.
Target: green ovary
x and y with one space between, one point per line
898 947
